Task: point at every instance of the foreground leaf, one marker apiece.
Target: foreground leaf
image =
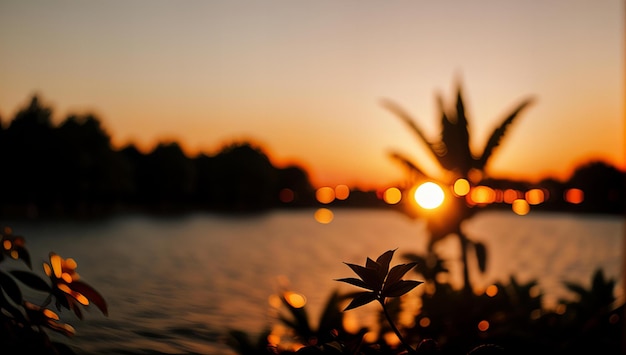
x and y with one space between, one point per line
361 300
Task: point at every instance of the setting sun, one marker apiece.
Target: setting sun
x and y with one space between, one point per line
429 195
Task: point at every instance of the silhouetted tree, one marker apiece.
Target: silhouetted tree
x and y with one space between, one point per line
555 189
28 156
206 181
169 176
297 181
603 186
246 179
94 174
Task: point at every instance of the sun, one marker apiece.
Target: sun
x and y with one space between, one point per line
429 195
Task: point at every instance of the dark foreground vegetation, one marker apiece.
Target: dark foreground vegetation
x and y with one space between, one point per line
72 170
505 318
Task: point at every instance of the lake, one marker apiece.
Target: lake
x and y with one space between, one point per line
177 285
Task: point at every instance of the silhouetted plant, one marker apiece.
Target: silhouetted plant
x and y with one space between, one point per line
453 153
23 322
382 283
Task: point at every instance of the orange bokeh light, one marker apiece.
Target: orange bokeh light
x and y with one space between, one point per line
491 290
392 195
520 207
286 195
510 195
325 195
483 325
296 300
461 187
535 196
342 192
574 196
482 195
324 215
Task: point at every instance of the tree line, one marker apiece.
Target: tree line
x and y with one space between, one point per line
72 169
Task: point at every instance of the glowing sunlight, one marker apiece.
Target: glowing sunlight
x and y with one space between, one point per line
429 195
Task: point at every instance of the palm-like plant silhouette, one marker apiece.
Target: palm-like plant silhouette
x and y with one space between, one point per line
453 153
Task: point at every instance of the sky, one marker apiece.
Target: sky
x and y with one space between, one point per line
305 79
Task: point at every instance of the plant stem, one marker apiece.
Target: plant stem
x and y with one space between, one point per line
396 330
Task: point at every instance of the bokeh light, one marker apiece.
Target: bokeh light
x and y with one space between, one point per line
475 175
370 337
286 195
391 339
461 187
535 196
325 194
574 196
429 195
392 195
351 323
483 325
534 291
342 192
510 195
324 215
295 300
482 195
274 301
491 290
520 207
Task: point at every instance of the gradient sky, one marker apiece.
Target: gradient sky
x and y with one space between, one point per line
304 79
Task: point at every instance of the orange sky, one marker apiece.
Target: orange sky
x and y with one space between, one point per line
305 79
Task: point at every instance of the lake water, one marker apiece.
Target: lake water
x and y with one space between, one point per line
177 285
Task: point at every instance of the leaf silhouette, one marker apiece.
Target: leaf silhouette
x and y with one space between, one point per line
383 264
408 164
401 287
7 306
331 317
498 133
356 282
368 275
31 280
361 299
410 122
455 139
10 287
397 272
91 294
300 321
481 255
24 255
